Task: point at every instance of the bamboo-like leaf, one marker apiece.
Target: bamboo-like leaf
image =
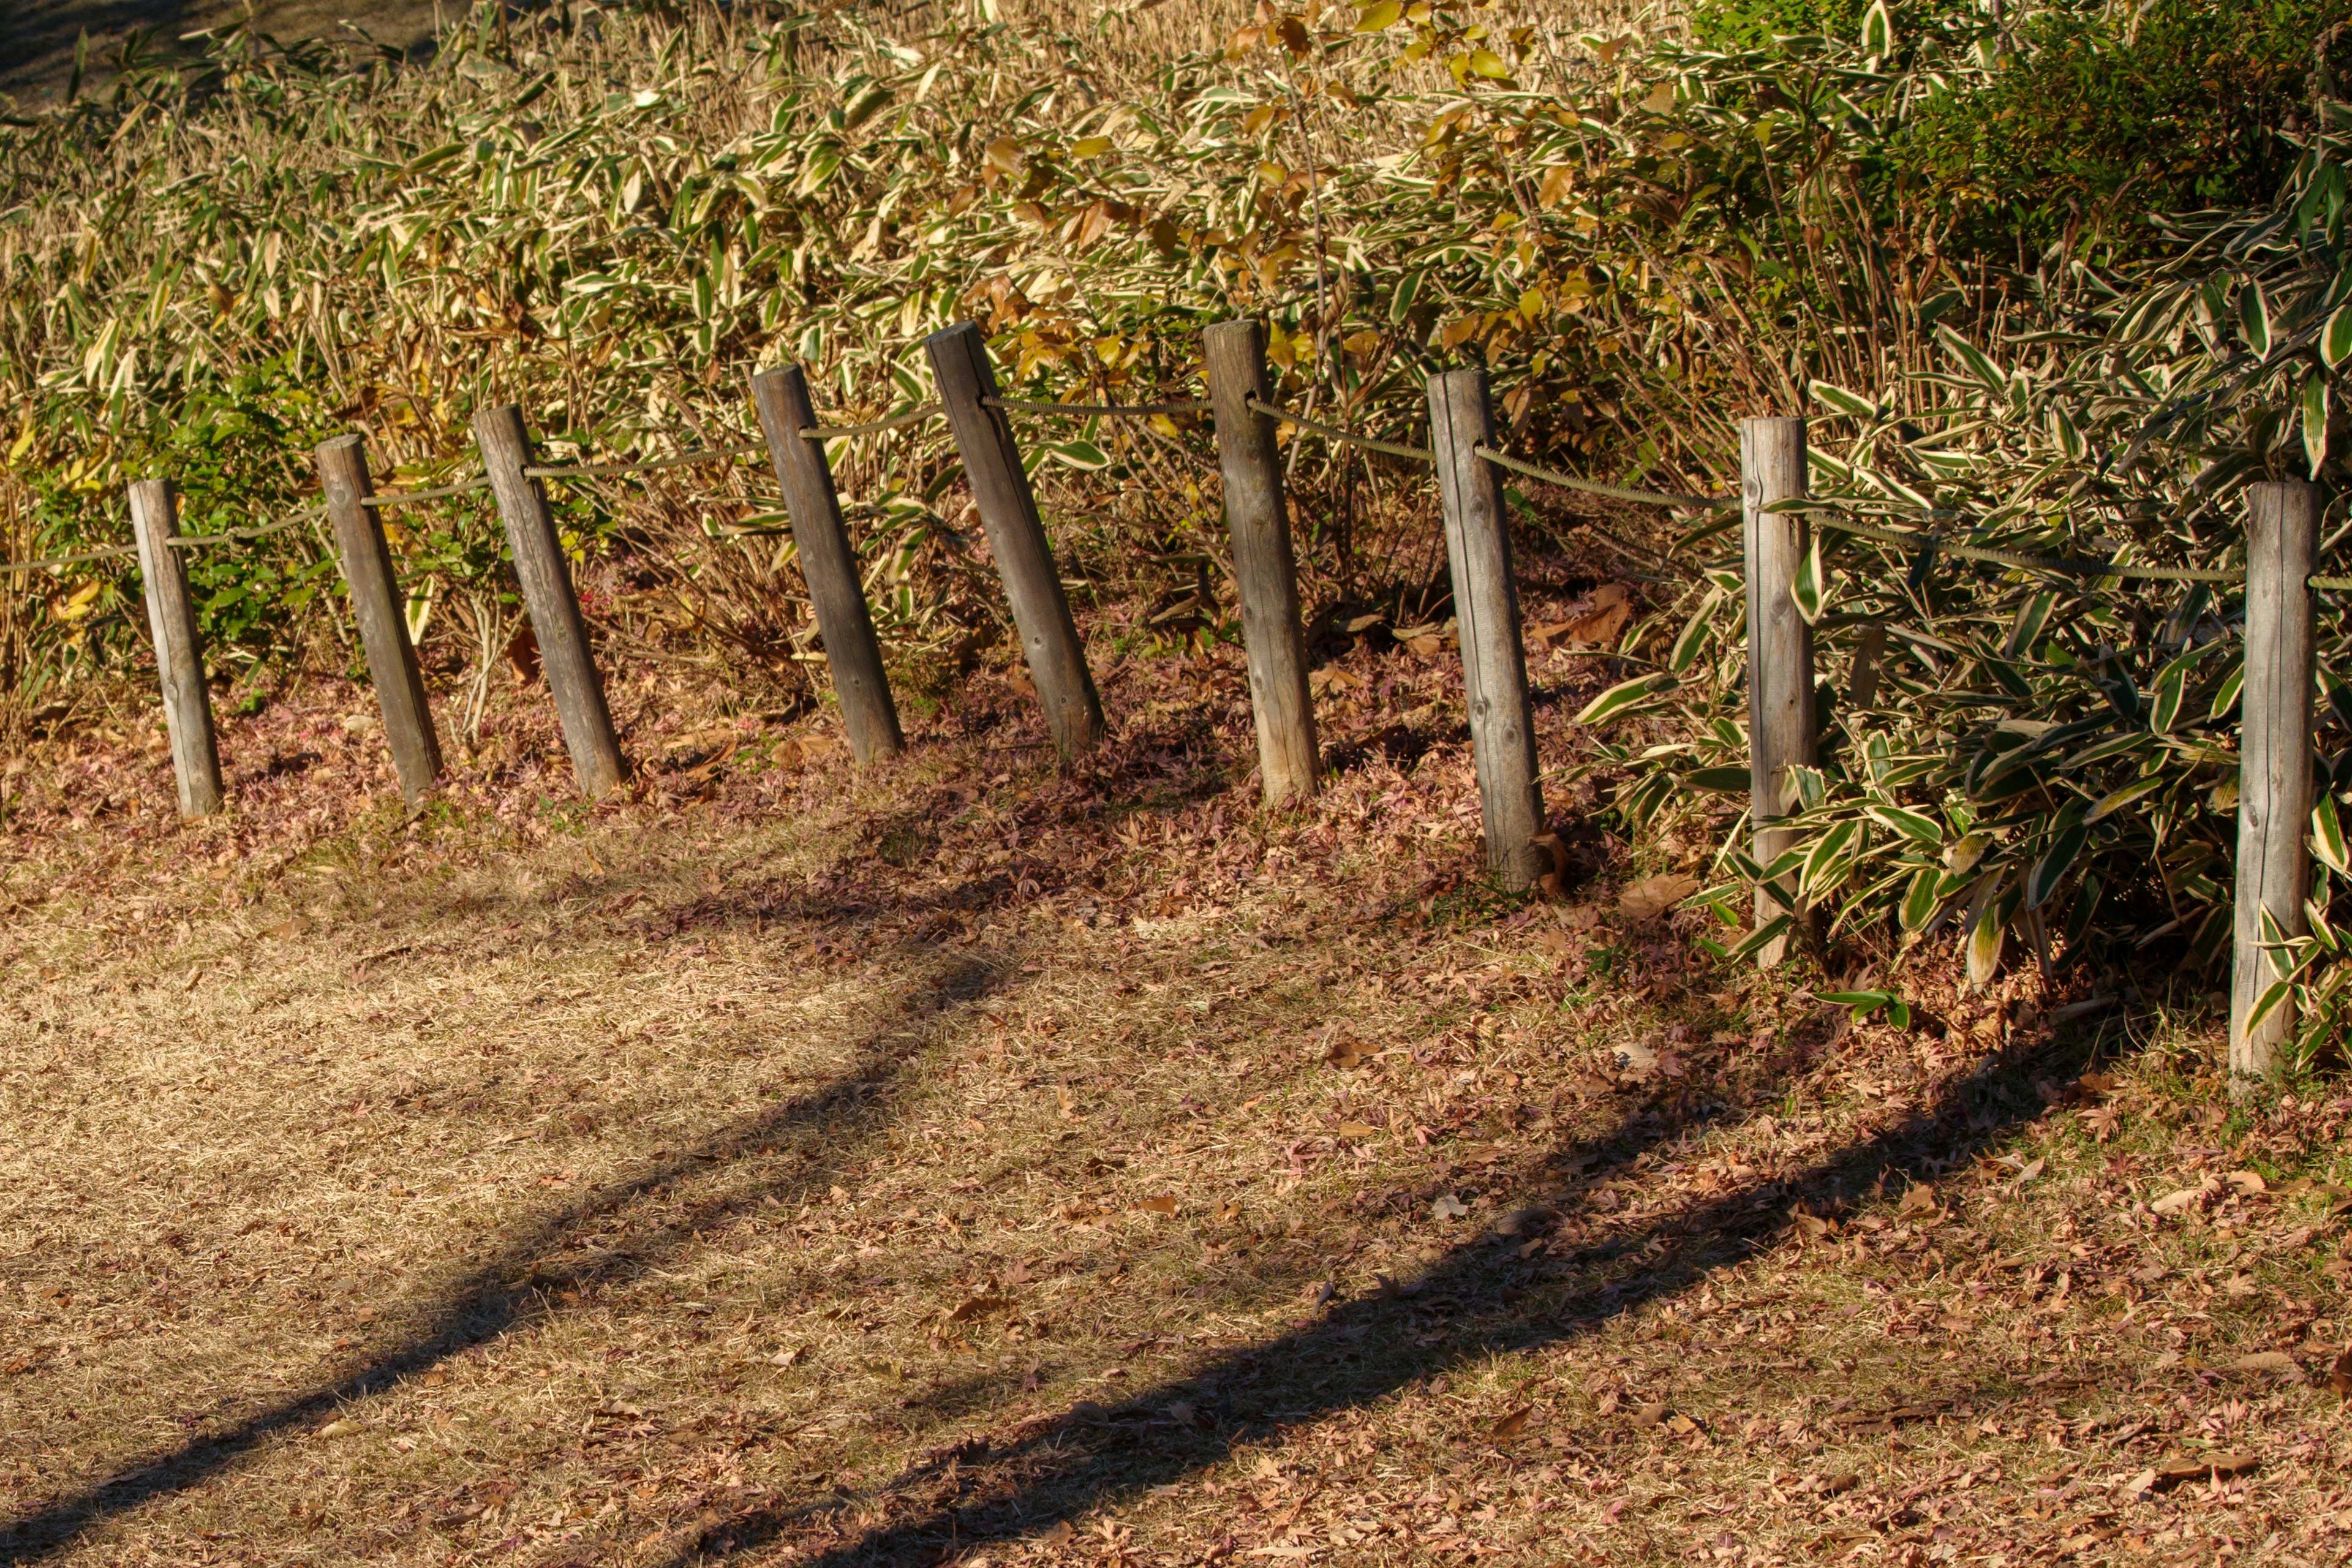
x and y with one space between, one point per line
1919 902
2254 317
1915 826
2315 421
1849 403
1877 31
1625 697
2274 996
1808 590
1761 937
2114 800
2049 871
2025 630
2327 837
1693 639
2335 337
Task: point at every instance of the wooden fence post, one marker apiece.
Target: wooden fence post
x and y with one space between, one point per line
1017 536
179 652
2274 756
1264 573
1781 719
547 594
1487 614
383 623
828 565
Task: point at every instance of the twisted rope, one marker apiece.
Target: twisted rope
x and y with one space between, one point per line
832 432
178 542
1593 486
1394 449
1113 410
683 459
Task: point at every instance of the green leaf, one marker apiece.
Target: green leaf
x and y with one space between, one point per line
2315 421
1845 402
2114 800
2025 630
1084 455
1808 590
1693 639
1877 30
2225 697
2327 837
1969 355
1985 939
1624 698
1718 778
1915 826
2171 686
1761 937
2254 318
2274 994
2065 849
2335 337
1920 901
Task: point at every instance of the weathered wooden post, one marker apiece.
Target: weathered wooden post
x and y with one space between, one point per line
1017 536
547 594
1265 575
2274 757
179 652
828 565
1486 613
384 625
1780 722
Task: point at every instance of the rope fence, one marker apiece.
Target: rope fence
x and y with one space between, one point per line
1594 486
1106 410
1908 539
645 466
1393 448
896 422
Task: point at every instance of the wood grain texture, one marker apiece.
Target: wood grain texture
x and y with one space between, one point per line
547 594
179 650
1016 537
828 565
1486 613
2274 756
378 608
1781 715
1266 573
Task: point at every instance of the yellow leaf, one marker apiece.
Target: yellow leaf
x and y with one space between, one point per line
1661 99
1258 119
1089 146
1531 304
1488 64
1558 182
1372 18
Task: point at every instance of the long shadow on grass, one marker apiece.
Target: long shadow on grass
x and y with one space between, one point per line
544 1261
1050 1470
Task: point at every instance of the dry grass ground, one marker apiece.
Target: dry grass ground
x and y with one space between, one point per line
968 1161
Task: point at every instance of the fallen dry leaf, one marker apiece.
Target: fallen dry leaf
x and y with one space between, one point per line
2246 1184
1164 1203
2175 1203
1654 896
1448 1207
978 1307
2339 1376
1511 1426
1917 1198
1347 1053
341 1428
2274 1364
2172 1472
1358 1131
1649 1415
